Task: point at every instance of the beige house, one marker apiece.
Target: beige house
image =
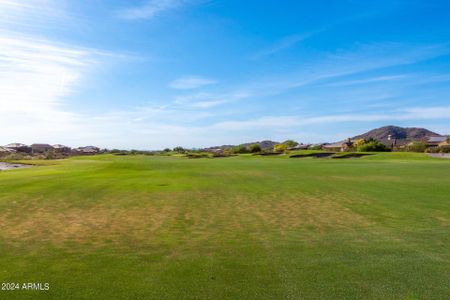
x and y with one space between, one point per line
61 148
339 146
19 147
40 148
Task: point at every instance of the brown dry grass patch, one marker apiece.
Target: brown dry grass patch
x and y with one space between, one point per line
206 217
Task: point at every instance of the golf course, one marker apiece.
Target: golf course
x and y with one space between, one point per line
241 227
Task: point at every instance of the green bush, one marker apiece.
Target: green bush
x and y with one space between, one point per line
315 147
254 148
433 150
372 146
290 143
444 149
240 149
416 147
280 148
179 149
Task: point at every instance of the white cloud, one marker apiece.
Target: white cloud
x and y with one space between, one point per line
35 78
191 82
150 9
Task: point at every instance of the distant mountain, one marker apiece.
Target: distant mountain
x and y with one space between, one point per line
401 134
263 144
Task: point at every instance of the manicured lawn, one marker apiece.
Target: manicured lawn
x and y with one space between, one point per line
141 227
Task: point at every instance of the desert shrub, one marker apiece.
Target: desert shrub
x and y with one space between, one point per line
280 147
416 147
372 146
17 156
254 148
50 154
444 149
433 150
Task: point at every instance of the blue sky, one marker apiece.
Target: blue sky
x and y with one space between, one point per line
151 74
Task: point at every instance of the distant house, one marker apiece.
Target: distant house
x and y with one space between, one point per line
339 146
435 141
87 150
19 147
214 150
446 143
6 151
40 148
61 148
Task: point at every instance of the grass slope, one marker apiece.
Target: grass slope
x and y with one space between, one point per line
107 227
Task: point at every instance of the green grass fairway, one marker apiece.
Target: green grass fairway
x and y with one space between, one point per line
141 227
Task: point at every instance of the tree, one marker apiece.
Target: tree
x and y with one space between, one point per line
290 143
372 146
359 142
179 149
280 147
50 154
240 149
254 148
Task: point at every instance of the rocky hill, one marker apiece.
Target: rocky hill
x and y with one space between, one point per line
401 135
263 144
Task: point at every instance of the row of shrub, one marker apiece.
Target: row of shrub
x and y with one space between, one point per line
371 145
441 149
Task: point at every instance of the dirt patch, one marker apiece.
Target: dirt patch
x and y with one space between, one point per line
96 226
187 220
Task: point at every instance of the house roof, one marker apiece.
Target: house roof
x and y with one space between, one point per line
59 146
88 149
6 149
437 139
334 145
299 147
15 145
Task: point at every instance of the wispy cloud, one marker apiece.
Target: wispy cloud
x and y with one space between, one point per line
333 68
191 82
151 9
282 44
31 15
274 122
368 80
209 100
